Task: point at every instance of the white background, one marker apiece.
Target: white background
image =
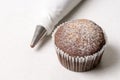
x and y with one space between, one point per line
18 61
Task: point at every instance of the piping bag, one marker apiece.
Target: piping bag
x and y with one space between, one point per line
51 13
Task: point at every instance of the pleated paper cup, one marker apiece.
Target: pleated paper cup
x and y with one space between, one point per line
79 64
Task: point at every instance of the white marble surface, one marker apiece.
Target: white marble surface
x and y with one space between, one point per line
19 62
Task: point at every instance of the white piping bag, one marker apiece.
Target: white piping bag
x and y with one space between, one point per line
51 13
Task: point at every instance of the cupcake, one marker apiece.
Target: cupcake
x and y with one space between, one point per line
79 44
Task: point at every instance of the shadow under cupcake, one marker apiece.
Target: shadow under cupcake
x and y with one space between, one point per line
79 44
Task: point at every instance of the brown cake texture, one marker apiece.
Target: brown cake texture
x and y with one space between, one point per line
80 37
79 44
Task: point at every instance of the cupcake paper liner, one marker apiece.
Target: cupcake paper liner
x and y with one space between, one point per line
79 64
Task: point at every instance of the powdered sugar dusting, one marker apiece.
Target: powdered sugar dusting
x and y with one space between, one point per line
79 37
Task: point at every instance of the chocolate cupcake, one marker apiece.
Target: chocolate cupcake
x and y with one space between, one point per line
79 44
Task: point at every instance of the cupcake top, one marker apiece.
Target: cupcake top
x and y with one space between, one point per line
79 37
